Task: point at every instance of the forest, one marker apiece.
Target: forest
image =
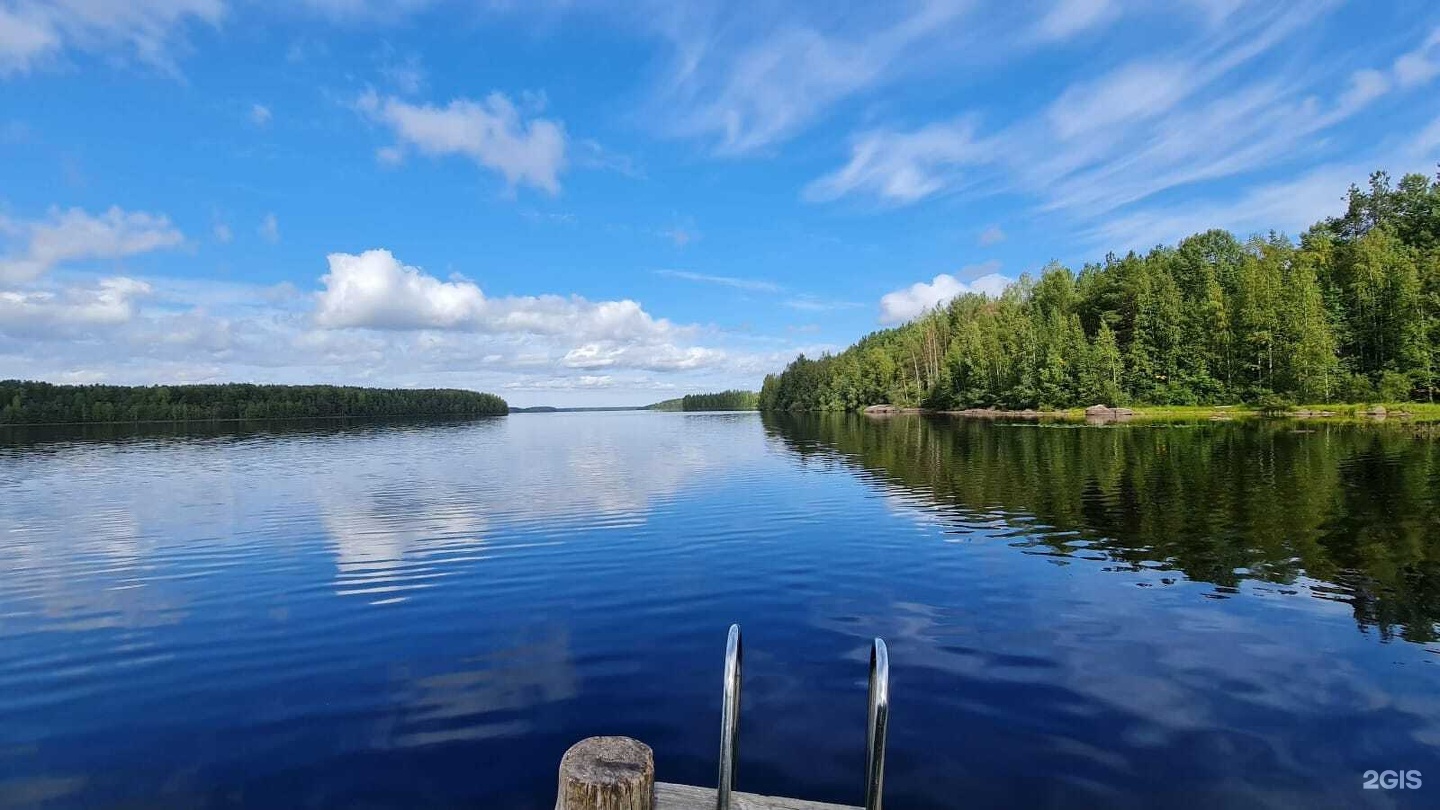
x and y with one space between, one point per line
719 401
24 402
1349 313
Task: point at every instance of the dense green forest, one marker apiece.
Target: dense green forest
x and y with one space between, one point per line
1349 314
23 402
720 401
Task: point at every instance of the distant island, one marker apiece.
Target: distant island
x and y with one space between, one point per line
720 401
30 403
1350 314
553 409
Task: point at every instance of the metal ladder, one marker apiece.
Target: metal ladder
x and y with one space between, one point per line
879 715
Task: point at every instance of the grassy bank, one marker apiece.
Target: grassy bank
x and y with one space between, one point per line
1404 411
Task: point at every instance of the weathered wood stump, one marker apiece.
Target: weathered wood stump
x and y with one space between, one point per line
607 773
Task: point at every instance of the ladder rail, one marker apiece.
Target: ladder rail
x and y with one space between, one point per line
730 719
879 721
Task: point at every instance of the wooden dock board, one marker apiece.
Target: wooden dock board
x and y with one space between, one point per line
685 797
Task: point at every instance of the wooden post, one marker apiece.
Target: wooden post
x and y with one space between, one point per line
607 773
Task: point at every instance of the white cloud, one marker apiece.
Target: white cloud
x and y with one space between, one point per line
73 235
921 297
23 40
992 235
222 232
662 357
260 114
269 229
813 303
374 290
748 79
365 10
584 381
1107 144
749 284
904 167
406 75
1289 205
35 32
1131 93
1420 65
1067 18
47 311
493 133
169 329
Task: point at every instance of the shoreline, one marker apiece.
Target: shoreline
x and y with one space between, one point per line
1406 412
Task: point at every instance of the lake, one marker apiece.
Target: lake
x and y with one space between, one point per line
332 615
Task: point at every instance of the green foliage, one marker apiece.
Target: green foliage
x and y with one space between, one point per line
676 404
1350 313
1271 404
39 403
721 401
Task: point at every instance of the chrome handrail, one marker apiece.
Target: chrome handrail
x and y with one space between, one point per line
879 719
729 720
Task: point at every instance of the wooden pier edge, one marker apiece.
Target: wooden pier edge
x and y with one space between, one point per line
685 797
618 773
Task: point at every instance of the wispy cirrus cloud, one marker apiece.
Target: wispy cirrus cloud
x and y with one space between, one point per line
992 235
744 79
1068 18
815 303
1106 146
750 284
37 33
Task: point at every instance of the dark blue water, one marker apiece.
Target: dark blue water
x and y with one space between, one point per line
429 615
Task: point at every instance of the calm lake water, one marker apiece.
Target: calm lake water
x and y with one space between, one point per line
428 615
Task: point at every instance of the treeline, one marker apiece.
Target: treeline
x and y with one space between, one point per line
1351 313
24 402
720 401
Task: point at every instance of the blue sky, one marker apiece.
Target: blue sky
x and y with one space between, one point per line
597 203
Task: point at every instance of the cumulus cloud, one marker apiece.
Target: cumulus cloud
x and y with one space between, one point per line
167 329
493 132
73 235
47 312
33 32
374 290
662 357
921 297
